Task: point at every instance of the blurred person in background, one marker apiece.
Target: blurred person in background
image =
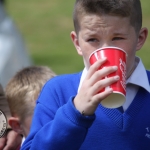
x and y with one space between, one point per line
13 52
22 92
11 140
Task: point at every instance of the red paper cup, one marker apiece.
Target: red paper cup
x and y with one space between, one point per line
115 57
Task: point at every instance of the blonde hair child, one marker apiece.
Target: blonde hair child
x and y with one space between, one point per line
22 92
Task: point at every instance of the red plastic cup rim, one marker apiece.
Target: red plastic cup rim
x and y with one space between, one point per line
105 48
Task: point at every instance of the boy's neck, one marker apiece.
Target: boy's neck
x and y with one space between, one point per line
133 67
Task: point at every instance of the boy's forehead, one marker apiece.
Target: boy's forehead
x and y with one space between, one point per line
109 27
103 21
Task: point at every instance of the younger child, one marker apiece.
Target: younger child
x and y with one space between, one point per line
69 114
22 92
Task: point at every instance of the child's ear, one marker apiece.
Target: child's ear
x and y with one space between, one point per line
75 41
15 124
142 38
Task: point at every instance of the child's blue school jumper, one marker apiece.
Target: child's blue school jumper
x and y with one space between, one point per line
57 125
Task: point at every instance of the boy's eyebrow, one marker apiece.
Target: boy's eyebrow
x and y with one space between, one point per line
114 34
118 34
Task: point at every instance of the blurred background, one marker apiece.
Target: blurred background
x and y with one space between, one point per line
46 25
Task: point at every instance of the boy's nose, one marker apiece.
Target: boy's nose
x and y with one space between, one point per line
105 45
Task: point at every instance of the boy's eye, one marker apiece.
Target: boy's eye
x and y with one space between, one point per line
92 40
117 38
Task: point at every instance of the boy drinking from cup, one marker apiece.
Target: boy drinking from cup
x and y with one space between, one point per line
68 114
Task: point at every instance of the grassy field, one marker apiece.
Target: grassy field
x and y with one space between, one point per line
46 26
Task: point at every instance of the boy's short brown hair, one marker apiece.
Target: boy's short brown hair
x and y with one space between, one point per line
122 8
23 89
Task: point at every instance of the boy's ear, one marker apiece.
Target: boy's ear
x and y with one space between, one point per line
142 38
75 41
15 124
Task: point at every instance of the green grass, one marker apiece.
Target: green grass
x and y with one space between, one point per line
46 26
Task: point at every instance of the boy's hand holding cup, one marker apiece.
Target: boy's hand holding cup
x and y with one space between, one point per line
115 57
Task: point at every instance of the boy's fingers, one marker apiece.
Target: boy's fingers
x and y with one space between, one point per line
93 68
95 96
101 96
104 83
101 74
92 105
